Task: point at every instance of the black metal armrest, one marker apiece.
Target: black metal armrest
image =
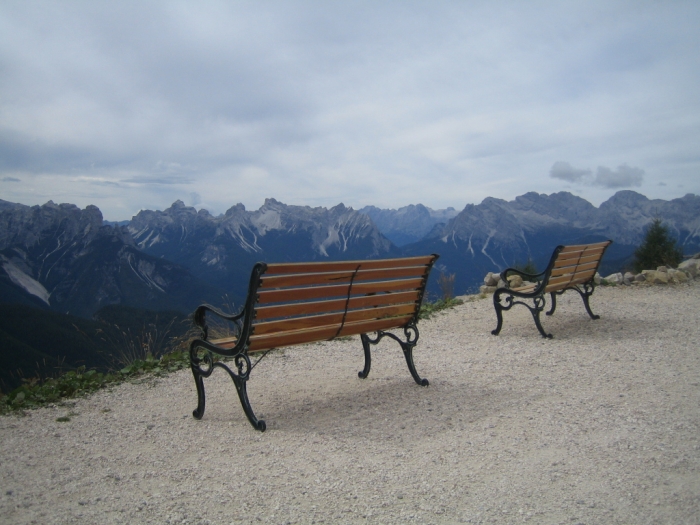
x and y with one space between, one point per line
199 316
531 277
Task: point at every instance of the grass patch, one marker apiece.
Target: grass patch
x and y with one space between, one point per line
429 309
35 393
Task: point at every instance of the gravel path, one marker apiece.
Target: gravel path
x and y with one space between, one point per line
599 425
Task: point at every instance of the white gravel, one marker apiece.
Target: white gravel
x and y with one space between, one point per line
596 426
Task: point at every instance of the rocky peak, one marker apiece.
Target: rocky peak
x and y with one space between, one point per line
235 210
180 212
625 198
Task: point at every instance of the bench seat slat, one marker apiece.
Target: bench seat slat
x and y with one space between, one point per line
301 323
260 343
225 342
582 259
564 279
339 266
573 269
372 325
581 247
387 286
571 257
320 292
309 279
315 307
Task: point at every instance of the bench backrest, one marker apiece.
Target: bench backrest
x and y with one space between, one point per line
296 303
573 265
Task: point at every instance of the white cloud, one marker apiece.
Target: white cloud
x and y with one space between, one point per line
565 171
384 103
624 177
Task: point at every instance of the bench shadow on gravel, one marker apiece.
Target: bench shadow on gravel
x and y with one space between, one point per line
611 325
386 407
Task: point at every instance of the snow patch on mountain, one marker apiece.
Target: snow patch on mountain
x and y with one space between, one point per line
26 282
266 220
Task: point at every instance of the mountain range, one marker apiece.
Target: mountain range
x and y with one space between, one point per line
70 261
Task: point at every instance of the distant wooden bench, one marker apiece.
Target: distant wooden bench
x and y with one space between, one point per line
570 268
298 303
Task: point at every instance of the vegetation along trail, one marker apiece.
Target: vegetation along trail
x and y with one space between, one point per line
599 425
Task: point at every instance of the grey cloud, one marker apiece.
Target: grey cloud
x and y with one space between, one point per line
565 171
331 102
159 180
10 179
624 177
105 183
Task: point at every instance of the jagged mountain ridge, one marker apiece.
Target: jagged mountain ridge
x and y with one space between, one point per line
497 234
409 223
60 257
223 249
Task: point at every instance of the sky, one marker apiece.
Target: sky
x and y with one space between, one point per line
133 105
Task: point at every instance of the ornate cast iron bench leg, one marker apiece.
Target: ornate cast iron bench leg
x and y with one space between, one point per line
553 296
239 378
585 294
499 315
539 303
368 355
535 310
411 333
198 374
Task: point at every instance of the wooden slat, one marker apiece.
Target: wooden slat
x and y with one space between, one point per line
580 247
366 327
301 294
304 323
310 279
265 342
381 312
525 289
319 292
335 266
225 342
582 253
304 279
562 263
579 276
297 323
574 269
386 286
259 343
561 286
301 308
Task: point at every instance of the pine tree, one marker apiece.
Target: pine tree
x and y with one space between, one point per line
657 249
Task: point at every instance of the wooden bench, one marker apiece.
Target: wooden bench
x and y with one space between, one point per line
570 268
298 303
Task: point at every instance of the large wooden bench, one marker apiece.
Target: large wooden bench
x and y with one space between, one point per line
570 268
298 303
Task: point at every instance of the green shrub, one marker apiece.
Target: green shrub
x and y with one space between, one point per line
528 267
35 393
428 309
657 249
446 282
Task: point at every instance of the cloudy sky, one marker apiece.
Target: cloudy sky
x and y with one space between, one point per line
132 105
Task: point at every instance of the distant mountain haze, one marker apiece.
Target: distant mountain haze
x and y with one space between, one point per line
408 224
68 260
59 258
